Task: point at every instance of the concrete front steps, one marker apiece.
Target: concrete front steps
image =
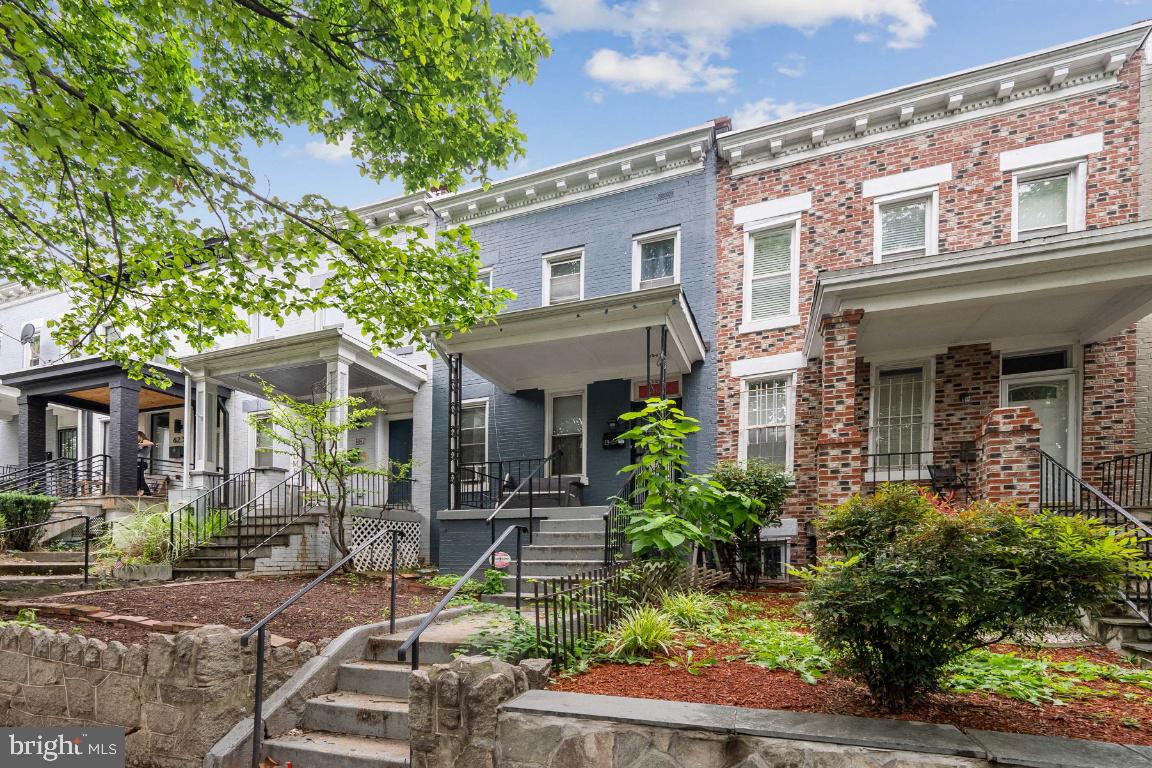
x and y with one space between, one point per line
218 558
44 564
1123 632
364 722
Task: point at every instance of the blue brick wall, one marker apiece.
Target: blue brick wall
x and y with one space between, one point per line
604 227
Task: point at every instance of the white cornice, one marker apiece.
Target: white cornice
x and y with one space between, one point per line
410 209
1054 73
605 173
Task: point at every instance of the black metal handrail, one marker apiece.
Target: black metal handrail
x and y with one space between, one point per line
87 534
946 471
413 641
1064 492
63 478
193 524
267 515
483 485
530 482
260 628
1127 480
616 518
379 490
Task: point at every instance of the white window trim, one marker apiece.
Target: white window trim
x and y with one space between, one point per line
1075 393
477 402
254 436
790 418
928 432
639 240
546 272
26 349
484 275
1077 192
895 183
792 317
549 396
931 222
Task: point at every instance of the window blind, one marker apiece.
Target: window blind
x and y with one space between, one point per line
903 226
771 283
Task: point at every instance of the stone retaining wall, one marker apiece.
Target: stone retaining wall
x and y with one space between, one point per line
175 696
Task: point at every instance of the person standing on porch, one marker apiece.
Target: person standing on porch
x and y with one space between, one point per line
143 452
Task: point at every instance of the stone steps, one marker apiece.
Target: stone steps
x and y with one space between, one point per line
378 678
337 750
51 557
560 552
358 714
568 538
538 568
573 525
42 568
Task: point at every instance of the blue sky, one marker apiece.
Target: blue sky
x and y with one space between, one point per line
624 70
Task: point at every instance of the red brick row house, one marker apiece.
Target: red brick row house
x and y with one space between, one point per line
932 281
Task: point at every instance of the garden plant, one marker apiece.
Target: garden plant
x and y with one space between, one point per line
20 509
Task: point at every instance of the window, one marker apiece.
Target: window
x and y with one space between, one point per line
30 337
1048 202
767 423
564 278
656 260
1034 362
905 227
771 281
474 434
899 416
264 445
566 431
484 277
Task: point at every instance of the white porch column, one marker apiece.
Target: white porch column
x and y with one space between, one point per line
206 471
337 381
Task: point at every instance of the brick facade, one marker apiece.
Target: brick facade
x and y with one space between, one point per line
1009 466
975 210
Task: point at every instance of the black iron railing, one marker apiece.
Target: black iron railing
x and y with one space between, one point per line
89 535
945 471
268 514
525 489
195 523
379 491
571 610
260 629
630 496
487 484
1127 480
413 642
62 478
1064 492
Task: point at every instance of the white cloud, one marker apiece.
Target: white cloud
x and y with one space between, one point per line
330 153
595 96
793 65
661 72
864 37
675 42
766 110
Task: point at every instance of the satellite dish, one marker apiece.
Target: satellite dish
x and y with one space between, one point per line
28 333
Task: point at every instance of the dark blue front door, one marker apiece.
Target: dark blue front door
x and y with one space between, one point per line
400 450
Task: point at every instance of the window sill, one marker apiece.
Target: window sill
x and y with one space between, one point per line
769 323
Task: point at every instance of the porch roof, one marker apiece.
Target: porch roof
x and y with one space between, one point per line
1082 287
84 384
580 342
294 364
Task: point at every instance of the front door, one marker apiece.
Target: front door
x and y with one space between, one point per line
400 452
1051 399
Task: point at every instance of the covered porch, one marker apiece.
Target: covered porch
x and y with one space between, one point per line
926 362
566 372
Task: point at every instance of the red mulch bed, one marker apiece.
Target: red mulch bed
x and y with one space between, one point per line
328 610
739 684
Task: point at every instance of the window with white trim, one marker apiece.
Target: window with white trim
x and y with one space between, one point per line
656 259
473 440
484 276
1048 201
566 431
771 280
32 344
906 226
767 429
564 278
264 444
900 415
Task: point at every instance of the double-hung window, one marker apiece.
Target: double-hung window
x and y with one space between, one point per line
767 426
484 276
1048 202
566 431
473 441
656 259
771 279
900 418
906 226
265 444
564 277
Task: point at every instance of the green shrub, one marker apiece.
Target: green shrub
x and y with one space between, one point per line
644 632
493 583
692 610
20 509
139 539
917 584
762 482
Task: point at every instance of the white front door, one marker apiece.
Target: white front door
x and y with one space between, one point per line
1051 398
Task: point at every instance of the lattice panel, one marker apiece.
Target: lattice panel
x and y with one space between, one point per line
378 557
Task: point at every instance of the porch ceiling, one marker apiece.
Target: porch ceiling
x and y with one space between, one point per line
1085 287
580 342
296 364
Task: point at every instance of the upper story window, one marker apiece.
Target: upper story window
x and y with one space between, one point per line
771 277
484 277
656 259
30 339
906 226
1048 202
563 277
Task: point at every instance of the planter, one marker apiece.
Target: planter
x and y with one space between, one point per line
157 572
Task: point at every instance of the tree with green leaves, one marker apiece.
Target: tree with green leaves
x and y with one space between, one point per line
124 126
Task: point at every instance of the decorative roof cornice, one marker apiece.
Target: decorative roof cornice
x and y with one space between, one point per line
608 172
409 209
1046 75
15 293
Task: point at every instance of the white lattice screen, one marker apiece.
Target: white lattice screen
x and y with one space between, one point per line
378 557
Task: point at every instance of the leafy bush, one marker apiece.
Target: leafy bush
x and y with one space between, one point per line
762 482
776 645
919 584
643 631
19 509
692 609
139 539
493 583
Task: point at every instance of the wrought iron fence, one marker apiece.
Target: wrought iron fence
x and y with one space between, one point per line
194 523
1064 492
1127 480
524 489
616 518
571 610
945 471
63 478
488 484
379 491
